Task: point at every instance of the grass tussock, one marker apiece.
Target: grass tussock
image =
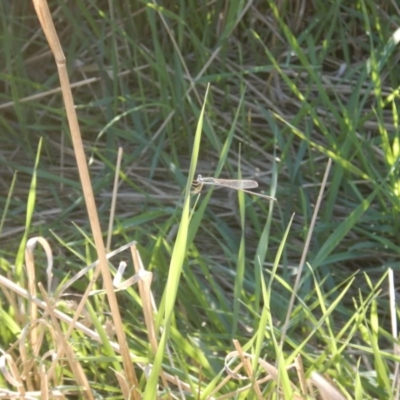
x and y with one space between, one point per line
228 295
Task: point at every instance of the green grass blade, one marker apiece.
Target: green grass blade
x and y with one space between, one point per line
30 207
176 265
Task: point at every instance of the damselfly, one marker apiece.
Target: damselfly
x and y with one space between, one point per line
237 184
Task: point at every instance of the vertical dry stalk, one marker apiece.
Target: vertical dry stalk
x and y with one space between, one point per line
46 22
248 368
64 348
305 252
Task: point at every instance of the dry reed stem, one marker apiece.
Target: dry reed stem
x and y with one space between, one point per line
64 347
46 22
298 361
325 388
148 304
247 367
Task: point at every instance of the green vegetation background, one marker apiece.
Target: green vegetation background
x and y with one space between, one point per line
292 84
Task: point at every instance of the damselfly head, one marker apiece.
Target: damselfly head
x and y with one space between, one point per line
197 185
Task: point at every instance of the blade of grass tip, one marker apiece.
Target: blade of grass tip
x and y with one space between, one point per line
266 317
114 198
46 21
223 155
240 265
192 170
305 252
30 207
374 339
175 269
262 246
8 201
329 333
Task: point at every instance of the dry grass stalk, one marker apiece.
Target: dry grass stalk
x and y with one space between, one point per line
46 21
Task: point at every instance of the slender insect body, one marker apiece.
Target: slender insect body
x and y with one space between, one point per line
237 184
